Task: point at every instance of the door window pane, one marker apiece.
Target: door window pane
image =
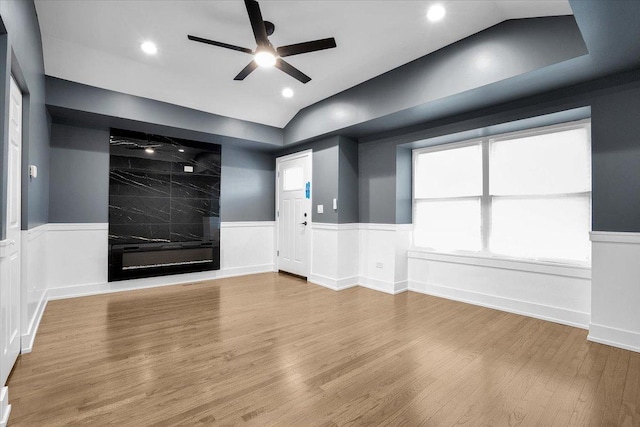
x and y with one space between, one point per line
293 179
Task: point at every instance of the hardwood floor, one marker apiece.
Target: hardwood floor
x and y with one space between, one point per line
271 349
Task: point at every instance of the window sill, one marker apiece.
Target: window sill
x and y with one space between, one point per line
541 267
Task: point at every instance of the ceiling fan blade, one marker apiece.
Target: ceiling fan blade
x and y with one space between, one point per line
220 44
257 23
298 48
292 71
246 71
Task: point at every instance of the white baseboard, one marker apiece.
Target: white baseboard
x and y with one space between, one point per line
27 339
152 282
5 408
627 340
382 286
538 311
334 284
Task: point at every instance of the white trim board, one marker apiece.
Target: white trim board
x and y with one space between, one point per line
5 408
59 226
614 337
614 237
29 337
83 290
238 224
333 284
544 312
503 263
382 286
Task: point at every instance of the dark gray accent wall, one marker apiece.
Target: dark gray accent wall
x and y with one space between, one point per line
404 185
377 182
348 181
335 176
615 139
79 185
5 68
613 103
95 105
469 74
22 56
247 186
325 182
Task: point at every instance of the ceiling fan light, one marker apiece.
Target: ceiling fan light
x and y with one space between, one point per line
265 58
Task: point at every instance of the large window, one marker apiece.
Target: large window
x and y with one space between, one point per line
524 195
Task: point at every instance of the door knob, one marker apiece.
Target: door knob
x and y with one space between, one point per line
303 223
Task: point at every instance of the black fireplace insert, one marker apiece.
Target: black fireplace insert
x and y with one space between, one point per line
164 205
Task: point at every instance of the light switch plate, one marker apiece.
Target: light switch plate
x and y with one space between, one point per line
320 208
335 204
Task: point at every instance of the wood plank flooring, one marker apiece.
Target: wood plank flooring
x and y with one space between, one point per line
271 349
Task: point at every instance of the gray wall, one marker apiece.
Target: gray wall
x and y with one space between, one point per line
614 108
79 186
377 182
21 55
248 186
404 182
615 139
335 176
94 105
348 181
449 79
324 186
79 190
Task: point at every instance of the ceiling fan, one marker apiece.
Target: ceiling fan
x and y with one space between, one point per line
265 55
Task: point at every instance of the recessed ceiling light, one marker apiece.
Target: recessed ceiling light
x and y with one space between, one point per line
287 92
265 58
181 150
149 47
436 12
149 150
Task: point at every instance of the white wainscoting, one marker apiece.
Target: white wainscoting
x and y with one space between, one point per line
550 292
5 408
615 311
34 283
70 260
78 258
334 255
247 247
383 256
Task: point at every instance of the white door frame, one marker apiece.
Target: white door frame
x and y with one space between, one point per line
279 160
12 245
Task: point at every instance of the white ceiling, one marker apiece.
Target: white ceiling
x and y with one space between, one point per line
98 43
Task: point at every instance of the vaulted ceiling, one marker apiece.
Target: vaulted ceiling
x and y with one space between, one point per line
98 43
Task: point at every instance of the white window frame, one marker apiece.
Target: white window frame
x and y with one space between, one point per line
485 208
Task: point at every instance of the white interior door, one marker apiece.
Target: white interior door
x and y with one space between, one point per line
293 214
10 288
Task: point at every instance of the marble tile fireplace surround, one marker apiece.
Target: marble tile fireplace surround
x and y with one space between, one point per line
164 205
